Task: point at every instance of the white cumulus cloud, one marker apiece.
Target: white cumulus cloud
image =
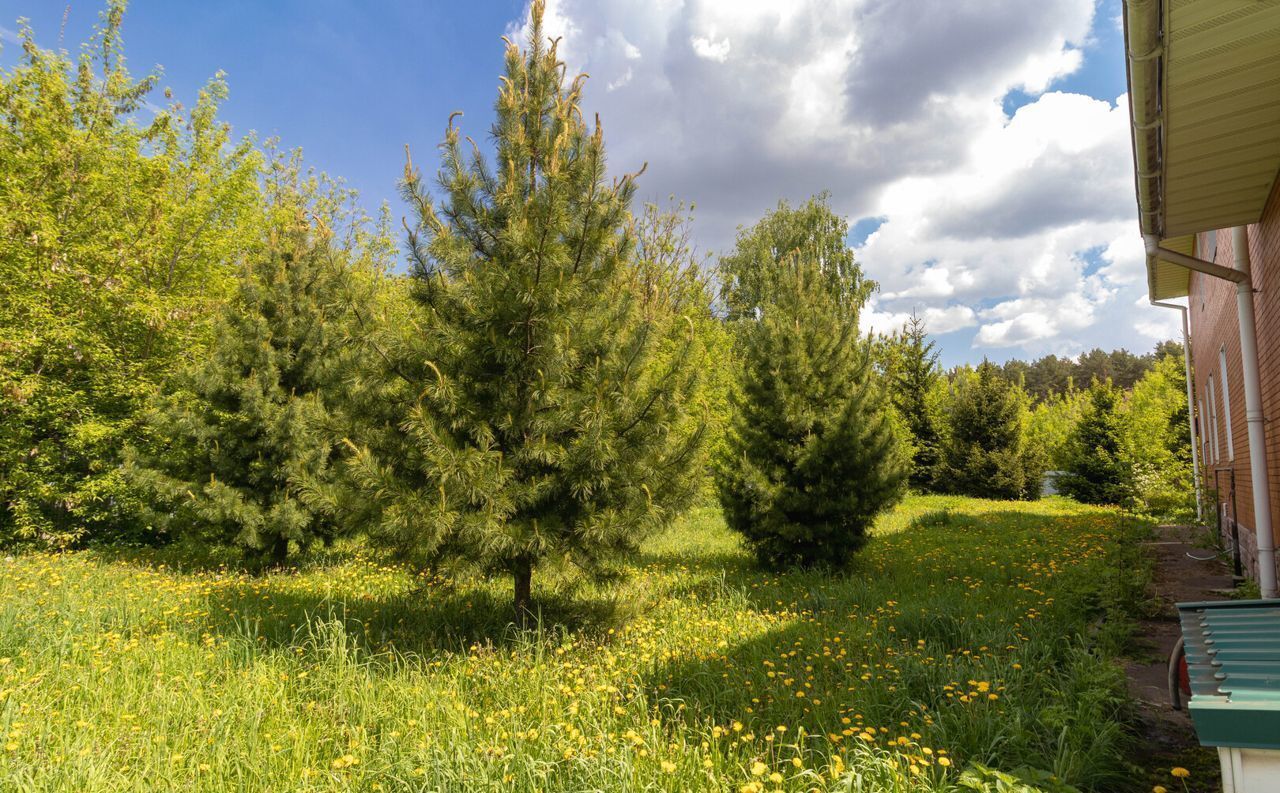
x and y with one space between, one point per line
711 49
1017 233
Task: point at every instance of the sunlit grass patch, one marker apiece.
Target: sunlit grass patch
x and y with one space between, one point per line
966 632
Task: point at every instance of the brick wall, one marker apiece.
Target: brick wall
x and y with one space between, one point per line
1214 327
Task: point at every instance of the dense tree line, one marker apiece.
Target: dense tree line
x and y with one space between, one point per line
202 341
978 431
1051 374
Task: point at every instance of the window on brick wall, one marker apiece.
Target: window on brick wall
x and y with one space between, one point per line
1202 432
1211 401
1226 400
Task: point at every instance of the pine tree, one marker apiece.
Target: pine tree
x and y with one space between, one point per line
812 457
984 454
675 280
1095 470
917 374
243 429
538 411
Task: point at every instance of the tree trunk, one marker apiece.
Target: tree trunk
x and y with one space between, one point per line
522 572
280 552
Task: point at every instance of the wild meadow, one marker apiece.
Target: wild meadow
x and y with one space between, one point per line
523 493
968 634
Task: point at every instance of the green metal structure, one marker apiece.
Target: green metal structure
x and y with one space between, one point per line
1233 665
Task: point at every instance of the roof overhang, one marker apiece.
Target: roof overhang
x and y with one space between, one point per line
1204 105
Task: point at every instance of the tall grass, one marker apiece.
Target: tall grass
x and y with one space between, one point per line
968 635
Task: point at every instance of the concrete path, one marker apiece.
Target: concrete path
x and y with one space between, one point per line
1182 573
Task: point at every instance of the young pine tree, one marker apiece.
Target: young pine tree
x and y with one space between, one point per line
985 454
539 412
1095 470
812 458
916 375
242 428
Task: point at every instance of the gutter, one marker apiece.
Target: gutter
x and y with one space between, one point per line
1143 40
1259 477
1145 44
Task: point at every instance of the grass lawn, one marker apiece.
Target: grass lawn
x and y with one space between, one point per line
967 632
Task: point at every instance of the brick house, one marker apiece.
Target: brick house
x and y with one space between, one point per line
1204 93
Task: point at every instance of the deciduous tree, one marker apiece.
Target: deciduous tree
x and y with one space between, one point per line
120 232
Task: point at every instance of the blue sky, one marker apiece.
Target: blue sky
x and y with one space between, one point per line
351 83
894 109
1101 75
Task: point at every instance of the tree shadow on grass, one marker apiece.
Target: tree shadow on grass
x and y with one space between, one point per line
427 615
419 622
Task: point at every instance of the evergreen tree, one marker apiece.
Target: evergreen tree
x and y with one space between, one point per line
984 454
539 410
812 457
1095 471
917 373
242 429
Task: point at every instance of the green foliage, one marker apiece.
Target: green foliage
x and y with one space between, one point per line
812 458
1050 423
985 453
917 374
813 228
1094 471
538 410
116 238
674 280
1020 780
242 430
1155 442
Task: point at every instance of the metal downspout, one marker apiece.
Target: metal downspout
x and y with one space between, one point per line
1259 480
1191 413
